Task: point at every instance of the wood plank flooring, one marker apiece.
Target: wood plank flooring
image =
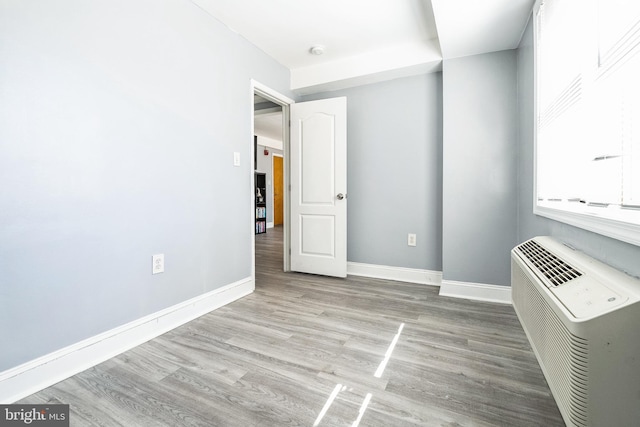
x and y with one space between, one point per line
275 357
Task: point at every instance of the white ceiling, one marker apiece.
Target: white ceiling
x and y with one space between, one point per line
268 123
370 40
468 27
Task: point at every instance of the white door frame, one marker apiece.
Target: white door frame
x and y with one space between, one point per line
276 97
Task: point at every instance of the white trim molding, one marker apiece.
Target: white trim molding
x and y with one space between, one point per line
588 218
476 291
266 92
31 377
400 274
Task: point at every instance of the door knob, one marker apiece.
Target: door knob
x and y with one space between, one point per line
340 196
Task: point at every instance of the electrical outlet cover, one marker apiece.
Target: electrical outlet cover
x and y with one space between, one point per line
158 264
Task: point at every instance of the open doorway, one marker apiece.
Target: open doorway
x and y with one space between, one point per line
270 153
314 149
268 146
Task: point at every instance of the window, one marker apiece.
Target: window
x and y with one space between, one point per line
588 115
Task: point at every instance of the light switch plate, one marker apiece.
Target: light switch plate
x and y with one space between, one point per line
411 239
236 159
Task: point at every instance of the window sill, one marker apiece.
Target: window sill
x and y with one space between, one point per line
593 219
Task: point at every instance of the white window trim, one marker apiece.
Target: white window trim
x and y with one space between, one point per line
619 230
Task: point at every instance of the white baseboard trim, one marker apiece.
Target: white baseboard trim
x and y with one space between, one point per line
270 225
33 376
400 274
476 291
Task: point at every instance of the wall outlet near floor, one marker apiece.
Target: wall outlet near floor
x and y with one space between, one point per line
158 264
411 239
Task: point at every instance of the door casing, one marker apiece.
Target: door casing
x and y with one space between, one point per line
266 92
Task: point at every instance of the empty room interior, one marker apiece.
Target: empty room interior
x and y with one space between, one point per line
374 213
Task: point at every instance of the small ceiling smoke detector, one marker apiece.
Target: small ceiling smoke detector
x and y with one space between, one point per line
317 49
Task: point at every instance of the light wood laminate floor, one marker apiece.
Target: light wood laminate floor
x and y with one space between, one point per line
301 343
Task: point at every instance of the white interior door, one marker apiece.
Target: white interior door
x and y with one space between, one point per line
319 187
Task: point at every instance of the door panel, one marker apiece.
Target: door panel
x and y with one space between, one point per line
277 191
319 187
317 139
317 235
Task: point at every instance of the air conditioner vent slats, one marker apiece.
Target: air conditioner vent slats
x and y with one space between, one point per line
557 271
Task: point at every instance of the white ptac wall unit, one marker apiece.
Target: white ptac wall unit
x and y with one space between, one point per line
582 318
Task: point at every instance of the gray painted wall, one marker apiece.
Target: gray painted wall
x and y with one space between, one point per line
118 123
621 255
394 171
479 167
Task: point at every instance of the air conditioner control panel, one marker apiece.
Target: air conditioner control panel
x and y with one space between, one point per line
586 297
